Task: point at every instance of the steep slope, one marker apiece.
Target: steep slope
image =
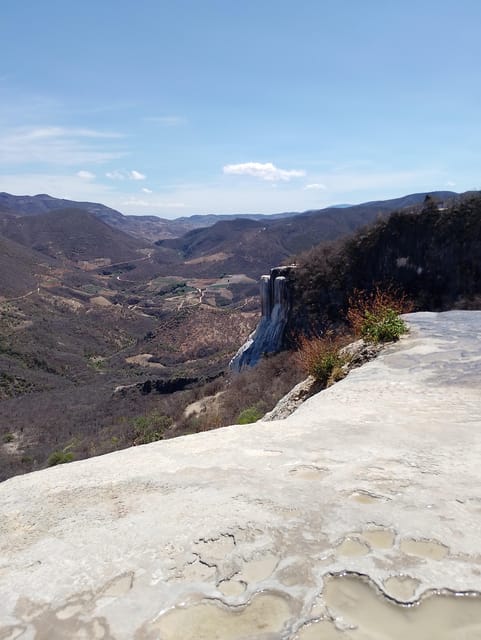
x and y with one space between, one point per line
324 225
74 234
433 255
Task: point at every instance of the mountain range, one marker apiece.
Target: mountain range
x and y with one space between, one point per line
205 246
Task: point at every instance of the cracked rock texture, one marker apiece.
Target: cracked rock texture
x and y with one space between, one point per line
319 526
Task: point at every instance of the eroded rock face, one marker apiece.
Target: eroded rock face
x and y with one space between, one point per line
269 333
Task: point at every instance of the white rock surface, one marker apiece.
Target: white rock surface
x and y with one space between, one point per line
237 533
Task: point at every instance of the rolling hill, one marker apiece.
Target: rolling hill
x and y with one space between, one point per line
253 246
75 234
146 227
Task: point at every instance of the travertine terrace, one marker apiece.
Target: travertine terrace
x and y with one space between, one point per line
324 525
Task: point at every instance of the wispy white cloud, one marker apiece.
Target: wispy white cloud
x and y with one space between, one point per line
48 145
450 183
145 190
85 175
315 186
265 171
63 132
125 175
115 175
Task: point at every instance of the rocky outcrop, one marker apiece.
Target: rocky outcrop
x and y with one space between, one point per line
170 385
357 353
293 400
269 333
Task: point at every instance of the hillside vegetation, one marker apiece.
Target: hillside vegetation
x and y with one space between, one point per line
433 256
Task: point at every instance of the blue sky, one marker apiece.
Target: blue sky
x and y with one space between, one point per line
175 107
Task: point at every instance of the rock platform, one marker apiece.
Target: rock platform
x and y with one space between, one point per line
357 517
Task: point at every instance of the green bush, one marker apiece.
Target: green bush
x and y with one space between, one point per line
59 457
150 428
385 327
325 366
375 315
249 415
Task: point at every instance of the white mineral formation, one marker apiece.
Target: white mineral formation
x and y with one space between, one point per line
324 525
268 335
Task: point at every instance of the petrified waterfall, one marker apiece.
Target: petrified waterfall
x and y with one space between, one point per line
268 335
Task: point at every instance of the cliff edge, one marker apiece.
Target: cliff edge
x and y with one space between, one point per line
323 525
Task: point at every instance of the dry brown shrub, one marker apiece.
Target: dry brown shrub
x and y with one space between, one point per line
320 356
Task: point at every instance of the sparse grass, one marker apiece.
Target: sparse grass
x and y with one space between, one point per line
375 315
320 357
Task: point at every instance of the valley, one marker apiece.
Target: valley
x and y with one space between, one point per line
83 331
103 330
